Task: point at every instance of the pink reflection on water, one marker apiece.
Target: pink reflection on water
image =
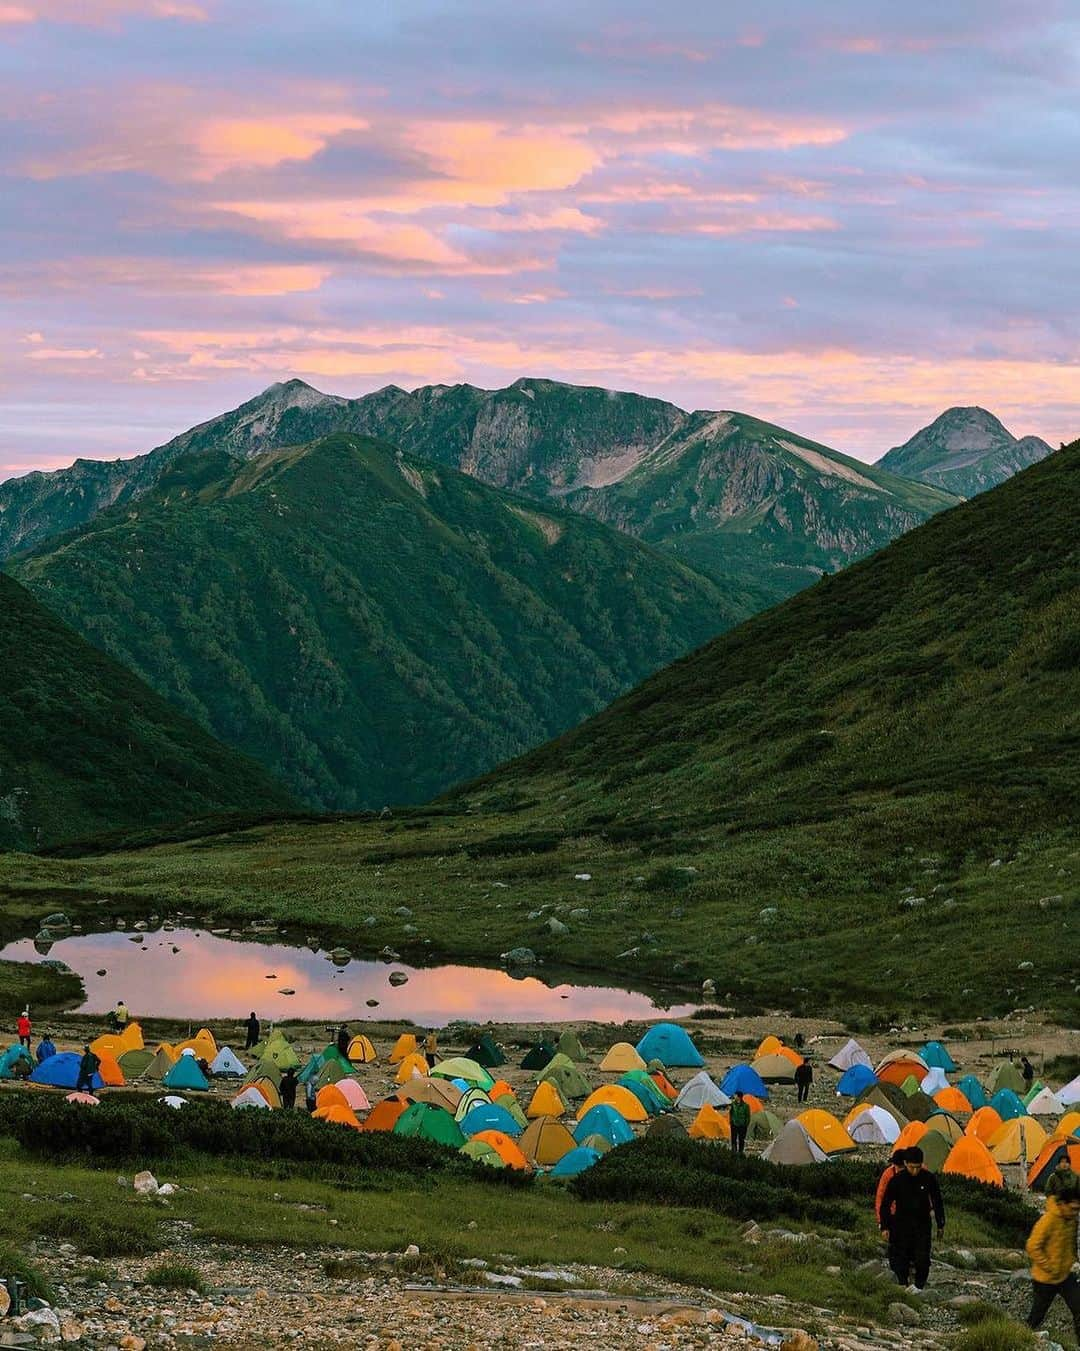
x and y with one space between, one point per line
220 977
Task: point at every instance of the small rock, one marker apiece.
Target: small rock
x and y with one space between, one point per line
519 957
403 912
145 1183
904 1314
131 1342
557 928
412 1250
583 877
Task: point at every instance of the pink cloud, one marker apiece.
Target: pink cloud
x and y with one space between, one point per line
99 13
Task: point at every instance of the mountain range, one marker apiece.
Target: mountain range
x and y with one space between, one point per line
964 451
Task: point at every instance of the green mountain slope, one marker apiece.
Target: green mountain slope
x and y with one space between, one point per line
370 626
85 746
965 451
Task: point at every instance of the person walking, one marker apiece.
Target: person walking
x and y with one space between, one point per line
804 1077
911 1200
88 1067
894 1166
287 1088
343 1040
739 1120
45 1048
23 1028
1027 1069
1051 1246
254 1031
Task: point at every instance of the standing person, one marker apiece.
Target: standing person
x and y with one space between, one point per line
23 1028
739 1119
343 1040
45 1048
1027 1069
254 1031
309 1095
912 1199
804 1077
123 1017
1051 1246
894 1166
88 1067
431 1048
799 1042
287 1088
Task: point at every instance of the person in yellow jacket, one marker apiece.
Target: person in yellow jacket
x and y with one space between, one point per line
1051 1246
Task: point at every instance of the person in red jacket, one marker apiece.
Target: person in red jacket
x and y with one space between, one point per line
894 1166
22 1026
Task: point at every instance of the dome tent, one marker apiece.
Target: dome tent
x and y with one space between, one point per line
666 1124
418 1088
826 1132
1018 1139
621 1099
568 1079
983 1123
1009 1077
848 1055
361 1051
426 1122
621 1057
546 1101
546 1141
486 1053
973 1091
570 1045
670 1043
743 1079
226 1064
462 1068
185 1074
605 1120
709 1124
576 1161
856 1080
937 1057
489 1116
969 1157
538 1055
698 1091
873 1126
1045 1103
774 1069
1007 1104
62 1071
794 1147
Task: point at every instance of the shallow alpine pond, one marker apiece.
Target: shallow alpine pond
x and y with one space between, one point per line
192 973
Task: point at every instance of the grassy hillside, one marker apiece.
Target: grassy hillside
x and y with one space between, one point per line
85 746
864 801
371 627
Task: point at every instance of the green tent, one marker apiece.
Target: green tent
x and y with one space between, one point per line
909 1086
538 1056
935 1148
570 1046
472 1097
510 1104
557 1061
602 1144
278 1051
486 1052
264 1069
568 1079
667 1124
1033 1092
660 1100
460 1067
482 1152
764 1125
919 1107
1008 1076
330 1073
159 1064
134 1063
425 1121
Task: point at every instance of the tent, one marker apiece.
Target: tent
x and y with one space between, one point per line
1069 1123
919 1106
486 1053
227 1065
983 1123
361 1051
506 1148
426 1122
911 1059
769 1045
383 1116
1045 1103
110 1071
185 1074
643 1088
764 1125
934 1081
912 1134
1007 1104
422 1088
405 1045
709 1124
337 1115
160 1063
937 1057
1056 1150
546 1101
969 1157
794 1147
249 1097
331 1096
267 1089
898 1065
62 1071
538 1055
499 1089
481 1152
1007 1076
512 1108
568 1079
743 1079
698 1091
603 1119
670 1043
280 1053
872 1126
135 1063
1070 1094
881 1095
935 1150
472 1097
353 1094
83 1099
621 1099
973 1091
909 1086
462 1068
774 1069
946 1126
546 1141
856 1080
488 1116
667 1124
570 1045
851 1053
415 1064
664 1084
621 1057
575 1162
952 1100
16 1055
826 1132
1017 1140
601 1143
265 1069
171 1100
202 1043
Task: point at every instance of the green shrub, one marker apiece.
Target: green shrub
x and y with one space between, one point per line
13 1263
122 1231
994 1330
175 1276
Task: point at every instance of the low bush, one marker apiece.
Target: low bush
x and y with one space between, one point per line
993 1330
13 1264
122 1231
175 1276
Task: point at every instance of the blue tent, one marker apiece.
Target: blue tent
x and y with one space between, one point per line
62 1071
973 1091
856 1080
489 1116
606 1121
1008 1104
185 1073
652 1102
937 1057
671 1044
743 1079
11 1057
575 1161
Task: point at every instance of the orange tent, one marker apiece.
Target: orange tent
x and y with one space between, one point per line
664 1084
1069 1124
546 1101
755 1104
770 1046
898 1070
410 1065
1048 1155
614 1095
912 1133
331 1096
338 1114
405 1045
506 1149
969 1157
383 1116
983 1124
854 1114
789 1054
952 1100
110 1071
498 1088
709 1124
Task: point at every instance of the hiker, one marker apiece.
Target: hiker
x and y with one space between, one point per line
431 1048
287 1088
88 1067
22 1027
343 1040
254 1031
1027 1069
799 1042
204 1066
804 1077
739 1120
309 1095
894 1166
123 1017
911 1199
45 1048
1051 1246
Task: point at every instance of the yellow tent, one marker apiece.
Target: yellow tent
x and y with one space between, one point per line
202 1043
709 1124
854 1114
826 1132
546 1101
546 1141
117 1044
404 1046
1022 1138
770 1046
622 1057
268 1089
410 1065
361 1051
1069 1124
614 1095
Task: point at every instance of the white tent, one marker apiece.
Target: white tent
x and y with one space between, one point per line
793 1146
851 1054
934 1082
698 1092
227 1063
1045 1103
874 1127
249 1097
1069 1096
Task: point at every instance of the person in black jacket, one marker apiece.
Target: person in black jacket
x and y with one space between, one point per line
912 1199
342 1041
287 1088
254 1031
804 1077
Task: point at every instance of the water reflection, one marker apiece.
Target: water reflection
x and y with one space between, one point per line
212 976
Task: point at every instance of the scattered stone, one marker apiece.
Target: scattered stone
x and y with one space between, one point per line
904 1314
1026 966
519 957
340 956
145 1183
557 928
